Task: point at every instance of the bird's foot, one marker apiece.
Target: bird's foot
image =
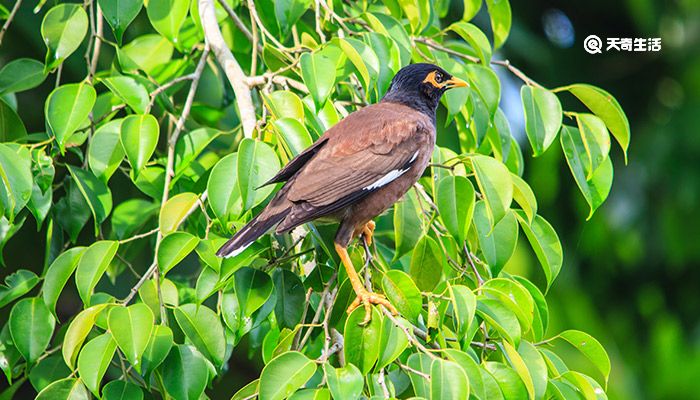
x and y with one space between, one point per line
366 298
368 232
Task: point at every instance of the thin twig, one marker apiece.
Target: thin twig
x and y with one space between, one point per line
10 17
412 339
139 236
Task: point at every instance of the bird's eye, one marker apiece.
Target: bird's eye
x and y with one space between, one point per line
438 77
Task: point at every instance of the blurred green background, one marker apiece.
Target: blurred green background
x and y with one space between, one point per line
631 275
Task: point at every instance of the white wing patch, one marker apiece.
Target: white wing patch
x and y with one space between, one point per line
391 175
238 251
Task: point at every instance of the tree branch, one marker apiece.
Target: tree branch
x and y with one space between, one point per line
228 63
9 19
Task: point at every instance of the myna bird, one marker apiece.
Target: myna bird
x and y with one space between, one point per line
359 168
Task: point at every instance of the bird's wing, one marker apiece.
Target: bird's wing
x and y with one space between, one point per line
295 164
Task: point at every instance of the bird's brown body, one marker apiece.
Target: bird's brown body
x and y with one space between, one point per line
359 168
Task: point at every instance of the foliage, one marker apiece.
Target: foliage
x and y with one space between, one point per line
148 158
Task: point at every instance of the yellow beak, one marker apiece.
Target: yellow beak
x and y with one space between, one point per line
455 82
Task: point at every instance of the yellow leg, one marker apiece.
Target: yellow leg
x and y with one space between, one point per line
364 297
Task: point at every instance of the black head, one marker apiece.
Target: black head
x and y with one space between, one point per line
420 86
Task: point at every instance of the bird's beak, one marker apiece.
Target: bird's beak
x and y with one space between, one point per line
455 82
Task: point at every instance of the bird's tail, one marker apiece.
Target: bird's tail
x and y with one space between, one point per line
250 233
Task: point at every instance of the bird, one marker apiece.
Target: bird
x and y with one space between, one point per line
356 170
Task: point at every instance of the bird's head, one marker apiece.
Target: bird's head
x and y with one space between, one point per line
420 86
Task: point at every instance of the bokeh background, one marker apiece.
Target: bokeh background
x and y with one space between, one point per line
632 272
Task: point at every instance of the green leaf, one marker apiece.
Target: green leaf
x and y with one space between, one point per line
121 390
285 104
463 303
92 266
604 105
509 382
139 136
131 217
284 375
294 134
94 360
542 117
65 389
67 108
595 140
519 366
363 58
499 11
58 274
247 392
157 349
95 192
476 39
167 16
486 84
175 210
596 189
47 371
455 202
119 14
17 285
448 381
318 72
495 185
591 348
496 243
361 346
174 248
147 52
203 328
222 186
131 328
536 367
540 319
77 332
471 368
106 152
471 8
393 342
426 264
288 12
31 326
420 362
16 178
253 288
256 164
184 373
407 224
403 293
20 75
417 12
190 145
129 91
290 298
344 383
545 243
524 196
499 317
63 29
11 125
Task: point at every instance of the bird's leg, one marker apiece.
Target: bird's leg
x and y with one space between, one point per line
364 297
368 232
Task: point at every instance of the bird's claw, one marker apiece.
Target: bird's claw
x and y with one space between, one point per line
368 232
367 298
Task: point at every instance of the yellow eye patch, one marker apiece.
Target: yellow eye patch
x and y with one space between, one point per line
431 79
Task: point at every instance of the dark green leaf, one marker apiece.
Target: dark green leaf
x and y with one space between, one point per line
496 243
403 293
11 125
17 285
542 117
344 383
58 274
20 75
407 224
157 349
361 345
393 342
121 390
95 192
185 373
426 264
119 14
203 328
253 288
290 298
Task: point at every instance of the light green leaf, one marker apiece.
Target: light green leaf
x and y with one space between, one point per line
476 39
203 328
65 389
119 14
426 264
58 274
131 217
596 189
11 125
420 362
285 104
131 328
190 145
318 72
448 381
106 152
596 142
284 375
174 211
363 58
67 108
94 360
95 192
540 319
121 390
139 136
147 52
185 373
158 347
129 91
508 381
403 293
524 196
455 202
31 326
463 303
536 367
591 348
472 369
604 105
77 332
167 16
495 185
63 29
407 224
288 12
497 243
500 318
253 288
393 342
542 117
20 75
222 186
486 84
471 8
16 178
256 164
518 364
545 242
294 134
362 341
499 11
16 285
513 296
344 383
174 248
92 266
